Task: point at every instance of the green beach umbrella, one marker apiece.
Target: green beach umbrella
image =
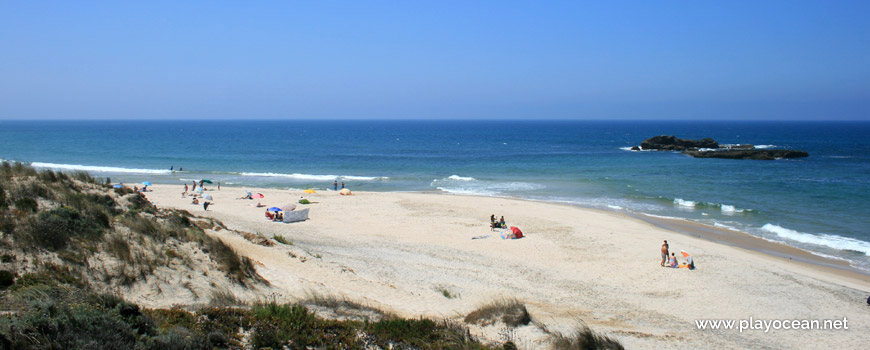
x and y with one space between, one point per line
206 181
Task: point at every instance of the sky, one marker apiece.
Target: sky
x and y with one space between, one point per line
731 60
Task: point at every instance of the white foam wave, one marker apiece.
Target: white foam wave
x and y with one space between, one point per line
461 178
764 146
684 203
98 169
483 188
830 241
313 177
664 217
615 207
721 225
625 148
728 208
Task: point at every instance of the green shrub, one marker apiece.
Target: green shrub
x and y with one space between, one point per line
53 229
2 197
26 205
7 278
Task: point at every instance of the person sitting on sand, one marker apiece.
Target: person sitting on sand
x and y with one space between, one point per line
269 215
492 219
501 223
279 216
135 188
673 261
664 252
195 201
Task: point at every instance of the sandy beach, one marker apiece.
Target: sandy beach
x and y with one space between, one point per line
405 252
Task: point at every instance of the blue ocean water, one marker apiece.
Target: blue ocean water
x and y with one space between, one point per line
817 203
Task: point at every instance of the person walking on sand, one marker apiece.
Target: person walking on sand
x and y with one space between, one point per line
335 185
664 252
185 188
194 187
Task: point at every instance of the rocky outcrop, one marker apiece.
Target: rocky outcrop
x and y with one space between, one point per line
709 148
671 143
760 154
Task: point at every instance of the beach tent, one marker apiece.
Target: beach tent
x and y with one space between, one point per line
346 192
690 262
146 183
309 191
117 186
258 195
294 216
517 232
289 207
275 209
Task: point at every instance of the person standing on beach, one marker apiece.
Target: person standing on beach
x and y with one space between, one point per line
194 187
665 252
219 185
335 185
342 185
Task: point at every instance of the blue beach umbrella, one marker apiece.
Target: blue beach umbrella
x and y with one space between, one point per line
146 183
117 186
275 209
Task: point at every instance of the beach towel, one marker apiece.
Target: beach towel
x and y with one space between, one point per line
481 237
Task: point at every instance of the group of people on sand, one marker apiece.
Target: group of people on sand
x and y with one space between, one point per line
493 223
671 260
278 216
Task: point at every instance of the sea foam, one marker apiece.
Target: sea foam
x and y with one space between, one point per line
830 241
98 169
684 203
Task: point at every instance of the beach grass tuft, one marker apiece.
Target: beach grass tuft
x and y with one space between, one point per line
282 240
583 338
511 312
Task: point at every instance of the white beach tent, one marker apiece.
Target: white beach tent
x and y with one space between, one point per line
296 215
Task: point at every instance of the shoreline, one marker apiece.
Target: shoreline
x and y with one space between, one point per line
730 237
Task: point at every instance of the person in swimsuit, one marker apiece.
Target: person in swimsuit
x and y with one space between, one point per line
664 252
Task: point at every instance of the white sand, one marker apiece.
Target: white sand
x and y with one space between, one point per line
398 251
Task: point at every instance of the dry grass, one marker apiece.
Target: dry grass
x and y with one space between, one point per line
583 338
511 312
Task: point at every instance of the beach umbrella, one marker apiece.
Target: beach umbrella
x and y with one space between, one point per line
309 191
345 192
258 195
117 186
146 183
685 253
275 209
206 181
289 207
208 196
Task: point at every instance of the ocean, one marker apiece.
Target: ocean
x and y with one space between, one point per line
819 204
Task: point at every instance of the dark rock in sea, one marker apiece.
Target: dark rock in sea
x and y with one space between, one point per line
671 143
760 154
635 148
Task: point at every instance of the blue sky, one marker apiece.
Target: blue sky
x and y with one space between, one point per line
445 59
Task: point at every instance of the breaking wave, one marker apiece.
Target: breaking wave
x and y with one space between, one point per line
830 241
98 169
